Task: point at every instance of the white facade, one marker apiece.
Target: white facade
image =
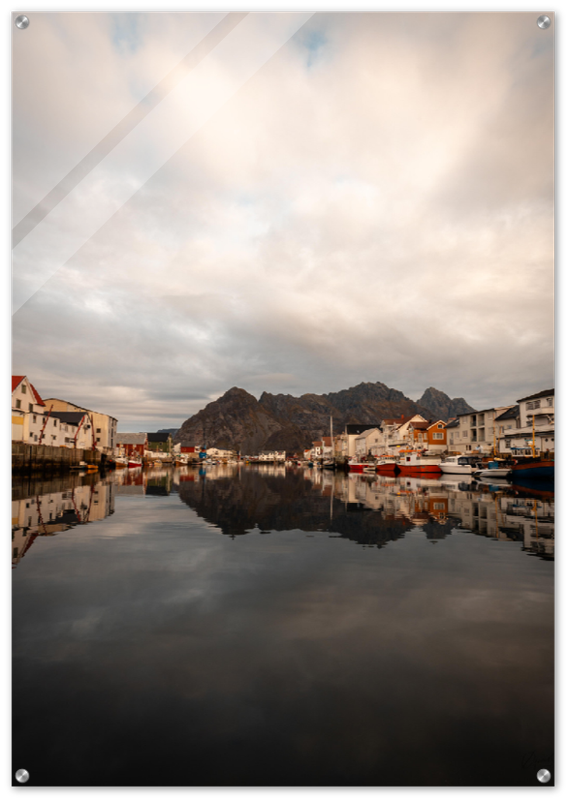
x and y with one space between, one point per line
366 441
103 424
27 411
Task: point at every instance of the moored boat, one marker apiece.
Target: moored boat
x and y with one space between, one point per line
419 464
456 465
533 469
388 465
494 469
358 466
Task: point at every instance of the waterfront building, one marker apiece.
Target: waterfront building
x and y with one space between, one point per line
131 445
353 431
452 435
368 442
74 429
436 436
535 422
160 442
27 411
477 433
104 425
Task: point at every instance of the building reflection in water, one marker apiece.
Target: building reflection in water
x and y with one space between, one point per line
370 510
243 500
48 507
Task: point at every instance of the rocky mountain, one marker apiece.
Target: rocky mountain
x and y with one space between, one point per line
440 405
237 420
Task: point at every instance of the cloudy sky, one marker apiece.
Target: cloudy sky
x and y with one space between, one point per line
305 203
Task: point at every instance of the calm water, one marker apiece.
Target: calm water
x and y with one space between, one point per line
258 626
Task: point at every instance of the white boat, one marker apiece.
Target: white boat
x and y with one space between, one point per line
489 474
456 465
494 470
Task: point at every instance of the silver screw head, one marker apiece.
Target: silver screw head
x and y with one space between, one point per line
543 21
22 21
22 776
543 775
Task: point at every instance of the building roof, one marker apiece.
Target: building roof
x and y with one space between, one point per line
69 417
419 425
159 437
453 423
17 379
131 438
81 408
545 393
326 441
357 429
510 413
436 422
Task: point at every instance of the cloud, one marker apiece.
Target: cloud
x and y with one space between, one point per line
376 203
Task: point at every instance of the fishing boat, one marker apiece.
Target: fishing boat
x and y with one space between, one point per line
387 465
533 469
132 462
415 463
456 465
370 469
358 466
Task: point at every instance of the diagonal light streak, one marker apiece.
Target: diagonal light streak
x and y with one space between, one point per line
147 147
124 127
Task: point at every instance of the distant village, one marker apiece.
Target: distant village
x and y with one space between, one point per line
523 428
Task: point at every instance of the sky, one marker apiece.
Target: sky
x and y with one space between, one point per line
323 199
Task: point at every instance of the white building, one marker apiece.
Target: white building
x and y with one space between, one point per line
28 414
104 425
367 441
477 432
535 422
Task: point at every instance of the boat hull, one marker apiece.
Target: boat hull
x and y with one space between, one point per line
455 469
420 469
537 470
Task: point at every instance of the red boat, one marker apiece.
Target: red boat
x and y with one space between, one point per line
417 464
359 466
387 466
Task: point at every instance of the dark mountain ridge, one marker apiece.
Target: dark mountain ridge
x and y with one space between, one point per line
239 421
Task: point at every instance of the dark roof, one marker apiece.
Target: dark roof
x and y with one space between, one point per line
546 393
357 428
421 426
510 413
69 417
159 437
453 423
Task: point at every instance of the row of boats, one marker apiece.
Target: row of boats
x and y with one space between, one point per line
420 463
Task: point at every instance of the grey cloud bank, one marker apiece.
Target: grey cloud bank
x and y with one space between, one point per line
376 203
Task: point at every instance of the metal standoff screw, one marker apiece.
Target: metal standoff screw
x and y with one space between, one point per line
543 21
22 21
543 775
22 776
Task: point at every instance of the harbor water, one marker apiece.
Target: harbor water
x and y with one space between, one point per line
276 626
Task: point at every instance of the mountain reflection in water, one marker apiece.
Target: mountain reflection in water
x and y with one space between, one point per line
341 649
369 510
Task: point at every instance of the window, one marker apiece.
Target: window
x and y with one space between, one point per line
54 423
98 430
18 403
98 439
34 418
549 401
437 435
30 407
440 425
24 388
